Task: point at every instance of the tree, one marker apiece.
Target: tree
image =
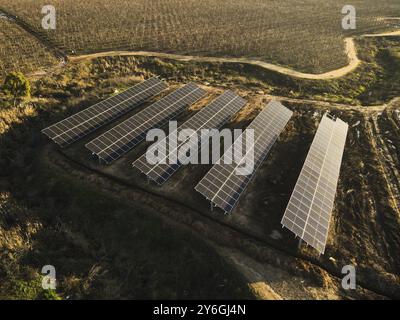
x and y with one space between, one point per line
17 86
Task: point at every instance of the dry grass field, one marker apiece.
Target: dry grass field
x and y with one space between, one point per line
303 34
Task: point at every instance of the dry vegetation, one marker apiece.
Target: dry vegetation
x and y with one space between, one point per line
304 34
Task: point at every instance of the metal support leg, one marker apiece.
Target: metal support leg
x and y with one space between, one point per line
299 245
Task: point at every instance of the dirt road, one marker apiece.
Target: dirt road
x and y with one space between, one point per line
350 49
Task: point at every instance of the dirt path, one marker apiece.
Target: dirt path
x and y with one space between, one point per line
350 49
385 34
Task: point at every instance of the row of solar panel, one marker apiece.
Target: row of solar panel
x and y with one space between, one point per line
310 206
213 116
82 123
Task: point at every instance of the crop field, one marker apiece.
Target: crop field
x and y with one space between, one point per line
19 51
303 34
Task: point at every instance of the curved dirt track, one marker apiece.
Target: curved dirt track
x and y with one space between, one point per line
350 49
385 34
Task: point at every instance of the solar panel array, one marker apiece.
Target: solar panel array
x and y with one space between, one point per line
119 140
310 206
222 185
86 121
213 116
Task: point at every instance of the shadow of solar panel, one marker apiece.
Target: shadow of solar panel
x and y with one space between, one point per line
86 121
310 207
213 116
222 185
119 140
